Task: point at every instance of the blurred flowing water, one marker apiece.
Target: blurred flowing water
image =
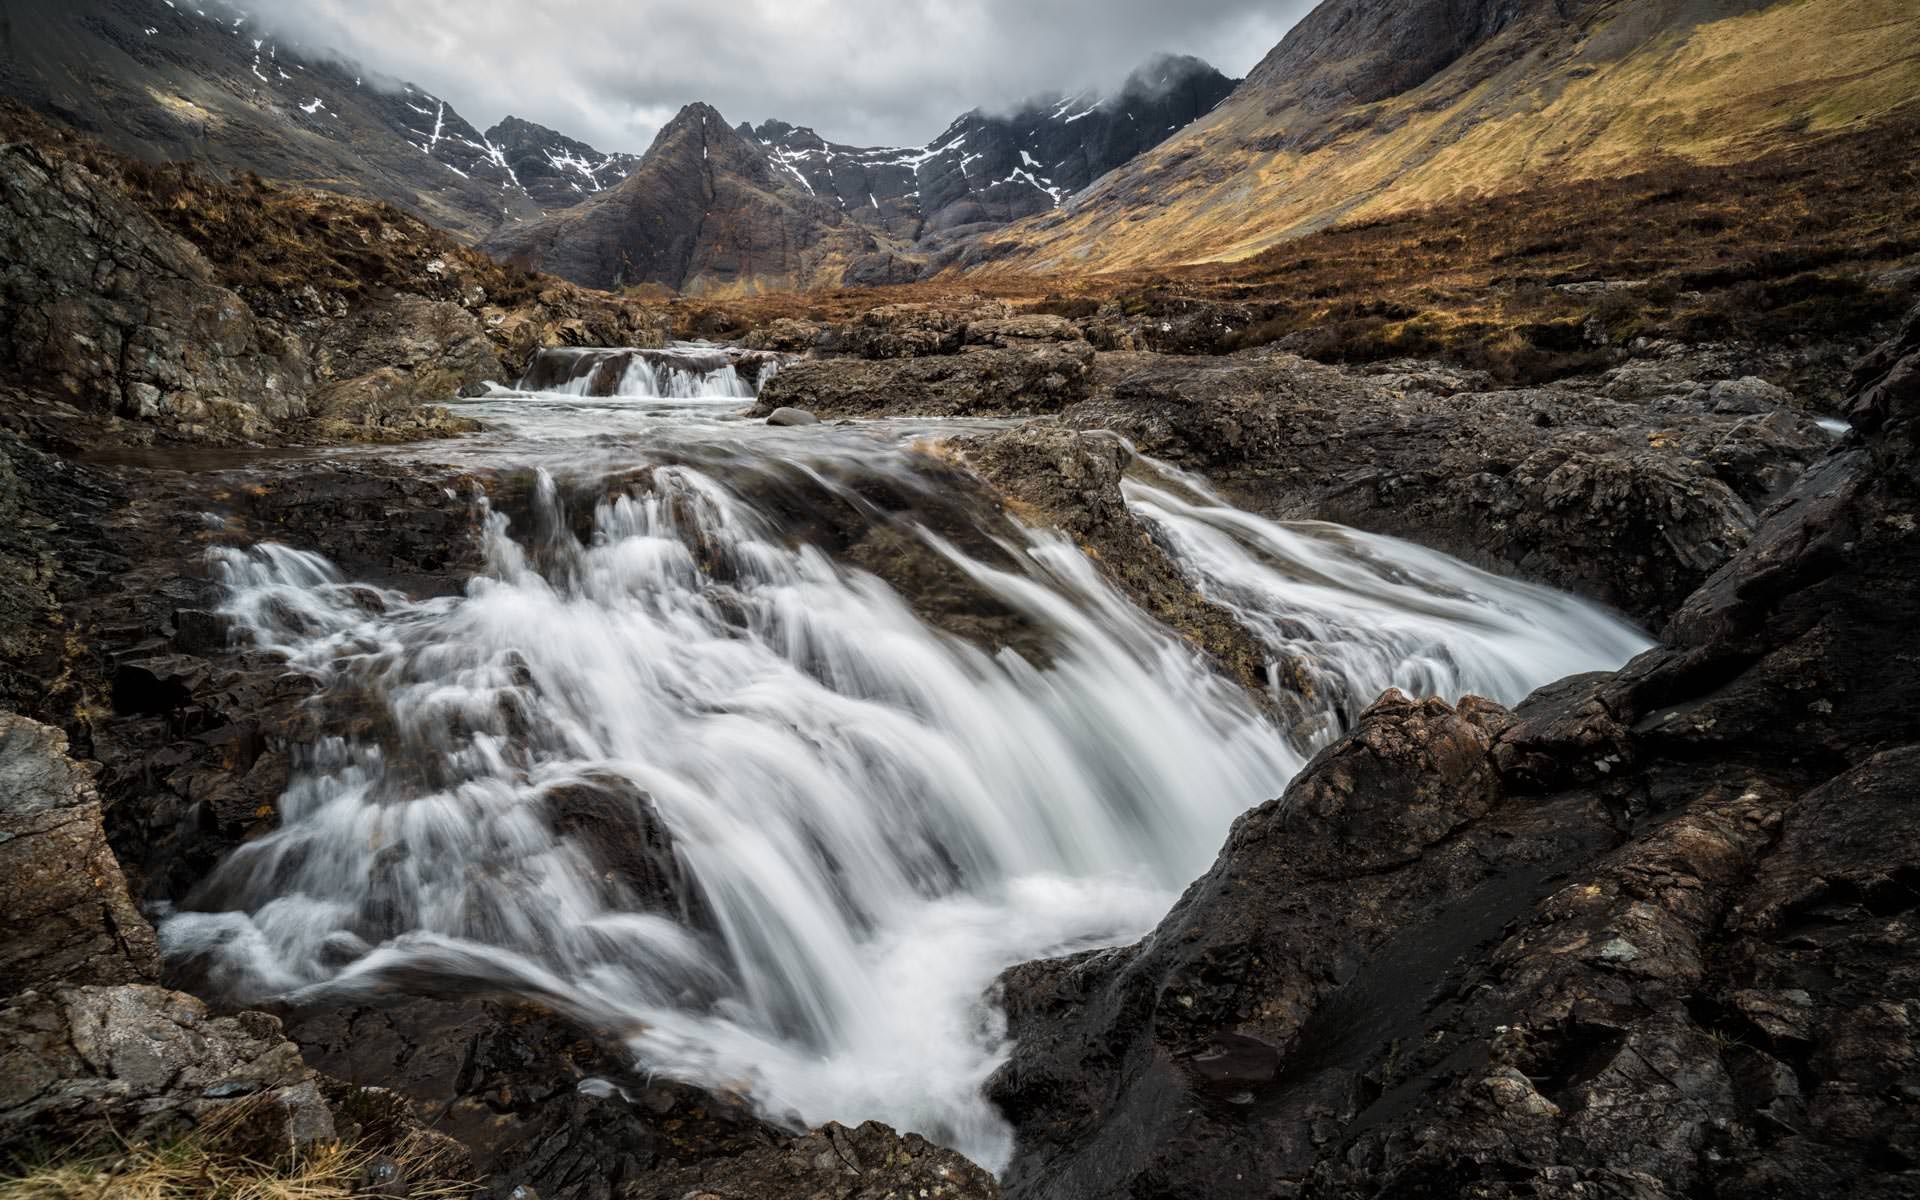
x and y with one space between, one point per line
672 766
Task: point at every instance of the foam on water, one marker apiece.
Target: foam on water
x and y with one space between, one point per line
869 817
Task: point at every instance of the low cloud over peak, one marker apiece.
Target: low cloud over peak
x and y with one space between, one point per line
877 72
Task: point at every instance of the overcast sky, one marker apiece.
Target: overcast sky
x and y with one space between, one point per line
868 72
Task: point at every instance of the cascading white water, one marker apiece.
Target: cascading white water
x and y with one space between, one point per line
1358 613
685 371
869 817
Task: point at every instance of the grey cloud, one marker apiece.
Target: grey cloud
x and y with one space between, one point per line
861 71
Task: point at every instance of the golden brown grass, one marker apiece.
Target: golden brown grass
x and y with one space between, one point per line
220 1160
1776 250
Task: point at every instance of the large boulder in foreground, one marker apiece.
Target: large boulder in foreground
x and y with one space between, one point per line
1648 935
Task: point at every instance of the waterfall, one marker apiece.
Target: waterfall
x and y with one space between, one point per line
692 777
684 371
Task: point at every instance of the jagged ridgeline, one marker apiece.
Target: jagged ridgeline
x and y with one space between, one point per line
715 210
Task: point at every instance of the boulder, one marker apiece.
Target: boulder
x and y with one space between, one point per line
868 1162
145 1062
60 885
791 416
786 335
1026 381
1746 395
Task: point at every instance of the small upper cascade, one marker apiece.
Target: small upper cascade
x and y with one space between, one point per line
684 371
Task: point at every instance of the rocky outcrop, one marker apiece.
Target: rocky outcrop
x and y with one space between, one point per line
224 313
146 1062
1054 477
1645 935
977 383
870 1162
114 312
74 921
1604 498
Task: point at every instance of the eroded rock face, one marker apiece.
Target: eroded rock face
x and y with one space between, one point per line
72 919
1646 935
147 1060
111 311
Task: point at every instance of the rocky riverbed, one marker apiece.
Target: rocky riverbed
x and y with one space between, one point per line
1643 932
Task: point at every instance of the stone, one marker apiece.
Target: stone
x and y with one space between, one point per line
145 1062
1748 394
791 416
1037 380
866 1162
60 885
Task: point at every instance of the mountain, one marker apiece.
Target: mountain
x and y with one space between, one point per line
1370 107
165 80
554 169
721 210
705 211
987 169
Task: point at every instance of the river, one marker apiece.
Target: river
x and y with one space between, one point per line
678 763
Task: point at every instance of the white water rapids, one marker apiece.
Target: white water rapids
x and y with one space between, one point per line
853 820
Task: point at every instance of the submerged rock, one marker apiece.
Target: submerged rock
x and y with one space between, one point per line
791 416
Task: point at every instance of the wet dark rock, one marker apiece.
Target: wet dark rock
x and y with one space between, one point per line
539 1102
868 1162
1646 935
979 382
1050 475
1602 499
72 920
617 826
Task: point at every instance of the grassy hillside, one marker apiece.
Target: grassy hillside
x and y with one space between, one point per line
1630 85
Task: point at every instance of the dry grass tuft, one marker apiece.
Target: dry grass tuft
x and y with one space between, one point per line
221 1159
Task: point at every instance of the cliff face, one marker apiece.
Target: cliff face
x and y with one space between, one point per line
1369 107
704 212
198 310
